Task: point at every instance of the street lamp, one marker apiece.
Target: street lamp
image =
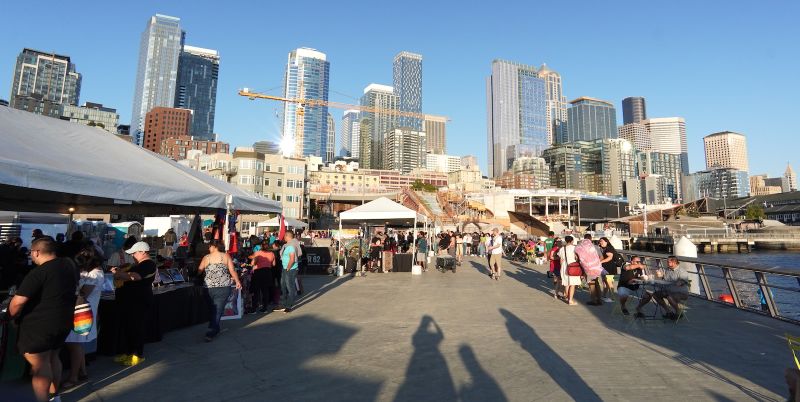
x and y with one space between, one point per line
643 208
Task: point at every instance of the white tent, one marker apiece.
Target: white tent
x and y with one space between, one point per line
50 165
290 222
383 211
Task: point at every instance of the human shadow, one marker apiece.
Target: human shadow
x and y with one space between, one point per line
559 370
427 366
482 268
265 360
483 387
534 279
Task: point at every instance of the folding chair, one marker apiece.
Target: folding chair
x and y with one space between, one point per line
794 346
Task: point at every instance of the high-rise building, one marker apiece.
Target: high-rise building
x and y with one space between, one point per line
44 81
380 97
789 182
633 110
157 73
726 149
668 135
637 134
198 71
442 163
330 142
165 122
307 75
407 82
556 102
600 166
720 183
647 190
516 103
468 161
350 134
404 150
667 167
590 119
365 142
436 131
92 114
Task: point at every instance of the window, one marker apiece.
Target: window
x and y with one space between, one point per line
279 183
290 183
267 168
280 169
266 181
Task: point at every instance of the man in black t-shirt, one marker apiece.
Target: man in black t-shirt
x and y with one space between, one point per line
625 289
134 299
44 305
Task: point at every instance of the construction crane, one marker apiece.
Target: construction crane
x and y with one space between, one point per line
303 103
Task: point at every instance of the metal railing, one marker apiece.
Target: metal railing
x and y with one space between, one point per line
743 282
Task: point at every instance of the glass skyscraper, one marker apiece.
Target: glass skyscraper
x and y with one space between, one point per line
307 75
43 81
380 97
556 102
198 71
516 103
633 110
157 72
349 138
331 140
590 119
407 80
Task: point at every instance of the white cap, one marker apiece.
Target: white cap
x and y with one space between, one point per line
139 246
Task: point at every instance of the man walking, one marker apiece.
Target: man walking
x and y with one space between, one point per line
289 274
44 304
548 245
494 246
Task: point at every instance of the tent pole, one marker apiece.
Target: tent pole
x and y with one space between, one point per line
340 245
413 243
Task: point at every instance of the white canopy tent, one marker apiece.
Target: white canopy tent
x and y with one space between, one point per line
289 222
383 211
51 165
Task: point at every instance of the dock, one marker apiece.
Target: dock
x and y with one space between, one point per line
462 336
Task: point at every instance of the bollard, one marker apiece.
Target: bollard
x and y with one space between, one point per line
685 248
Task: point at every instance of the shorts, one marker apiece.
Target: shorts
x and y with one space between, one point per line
622 291
33 341
422 257
496 259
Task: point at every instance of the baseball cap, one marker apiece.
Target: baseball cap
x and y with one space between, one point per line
139 246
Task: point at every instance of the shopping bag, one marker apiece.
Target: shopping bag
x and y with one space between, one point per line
234 307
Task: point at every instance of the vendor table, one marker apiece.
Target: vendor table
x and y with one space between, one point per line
176 306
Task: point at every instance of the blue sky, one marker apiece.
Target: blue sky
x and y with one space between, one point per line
722 65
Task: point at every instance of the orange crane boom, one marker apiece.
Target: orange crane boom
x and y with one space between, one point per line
338 105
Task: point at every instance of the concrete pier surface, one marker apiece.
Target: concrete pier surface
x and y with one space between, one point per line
462 336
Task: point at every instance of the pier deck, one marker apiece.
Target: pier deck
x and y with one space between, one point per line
445 336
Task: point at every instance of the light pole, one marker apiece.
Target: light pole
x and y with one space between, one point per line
643 207
69 225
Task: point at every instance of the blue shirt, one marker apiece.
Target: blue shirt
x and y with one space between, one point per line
288 250
271 239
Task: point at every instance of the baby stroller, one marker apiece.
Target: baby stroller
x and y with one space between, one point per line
519 253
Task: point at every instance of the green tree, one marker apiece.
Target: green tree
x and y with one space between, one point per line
755 212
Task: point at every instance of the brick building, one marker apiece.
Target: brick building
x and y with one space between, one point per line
177 147
161 123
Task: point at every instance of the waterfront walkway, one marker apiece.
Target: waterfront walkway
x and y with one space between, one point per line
444 336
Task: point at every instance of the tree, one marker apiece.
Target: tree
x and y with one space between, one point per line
755 212
420 186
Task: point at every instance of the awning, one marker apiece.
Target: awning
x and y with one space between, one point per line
290 222
382 211
50 165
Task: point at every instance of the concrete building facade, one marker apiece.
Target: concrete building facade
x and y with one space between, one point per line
92 114
726 149
668 135
436 133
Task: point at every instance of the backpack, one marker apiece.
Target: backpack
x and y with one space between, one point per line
618 260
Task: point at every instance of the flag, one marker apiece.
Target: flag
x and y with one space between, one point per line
282 225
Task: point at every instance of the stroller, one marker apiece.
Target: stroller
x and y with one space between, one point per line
445 262
519 253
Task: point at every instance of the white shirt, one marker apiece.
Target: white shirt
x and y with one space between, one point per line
467 239
498 241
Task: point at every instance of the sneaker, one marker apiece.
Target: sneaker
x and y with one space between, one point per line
279 309
287 311
134 360
121 359
608 300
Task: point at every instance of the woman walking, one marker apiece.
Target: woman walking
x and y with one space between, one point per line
220 275
262 284
567 256
90 285
555 267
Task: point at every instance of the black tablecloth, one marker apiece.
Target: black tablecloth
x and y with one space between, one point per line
174 308
402 262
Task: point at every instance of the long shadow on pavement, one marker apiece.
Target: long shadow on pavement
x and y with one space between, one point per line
533 279
559 370
312 295
483 387
427 376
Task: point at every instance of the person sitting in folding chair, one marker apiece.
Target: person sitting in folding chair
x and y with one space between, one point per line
672 295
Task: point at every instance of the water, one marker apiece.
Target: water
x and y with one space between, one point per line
787 301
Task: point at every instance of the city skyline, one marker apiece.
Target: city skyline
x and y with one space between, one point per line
461 96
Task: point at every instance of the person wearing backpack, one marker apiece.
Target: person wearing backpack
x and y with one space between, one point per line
612 261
